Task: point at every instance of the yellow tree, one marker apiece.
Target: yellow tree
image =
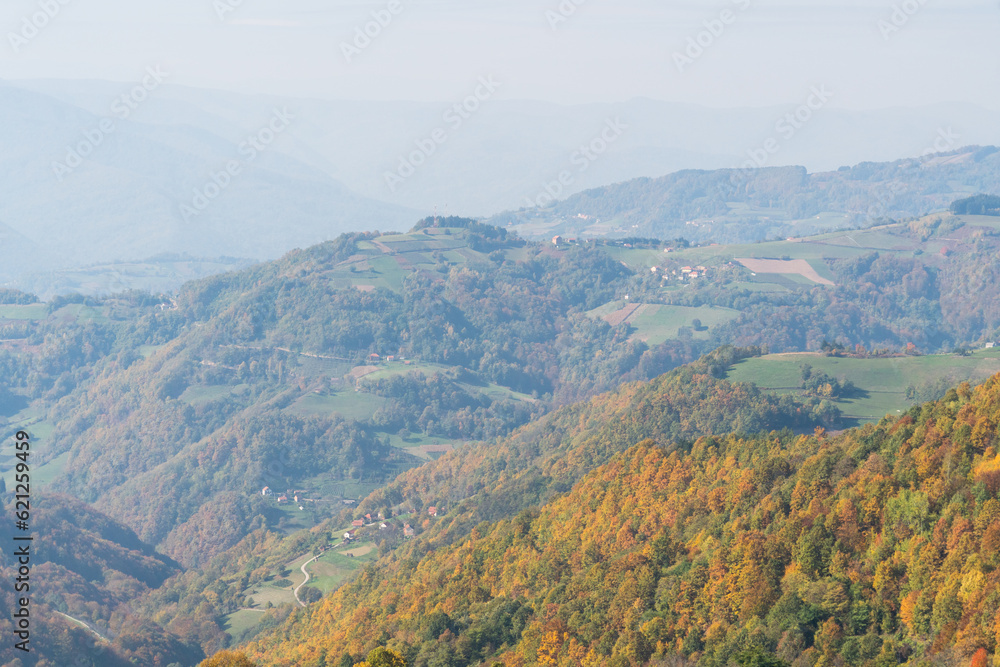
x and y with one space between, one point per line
228 659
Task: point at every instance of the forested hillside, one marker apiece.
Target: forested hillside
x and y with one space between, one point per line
875 547
86 571
234 426
492 479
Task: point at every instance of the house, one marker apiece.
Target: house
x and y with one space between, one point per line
990 346
374 357
382 526
686 269
349 535
391 357
358 523
694 274
349 502
369 517
556 240
433 511
282 499
296 497
654 270
266 491
408 530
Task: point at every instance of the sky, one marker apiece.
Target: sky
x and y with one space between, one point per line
874 53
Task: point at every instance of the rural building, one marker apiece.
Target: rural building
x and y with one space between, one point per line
358 523
266 491
557 240
408 530
433 511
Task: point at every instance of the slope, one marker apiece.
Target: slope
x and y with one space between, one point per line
488 480
877 545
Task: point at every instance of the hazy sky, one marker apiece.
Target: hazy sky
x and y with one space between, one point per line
765 51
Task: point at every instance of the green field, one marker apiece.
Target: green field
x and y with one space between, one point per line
336 566
32 421
884 381
658 324
348 404
655 324
35 311
417 444
238 623
200 394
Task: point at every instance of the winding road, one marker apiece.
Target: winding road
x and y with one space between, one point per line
303 568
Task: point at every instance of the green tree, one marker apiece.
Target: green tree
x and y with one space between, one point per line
758 657
383 657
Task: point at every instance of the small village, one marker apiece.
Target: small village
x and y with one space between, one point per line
364 526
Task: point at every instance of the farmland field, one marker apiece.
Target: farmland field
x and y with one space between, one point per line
654 323
347 404
884 382
35 311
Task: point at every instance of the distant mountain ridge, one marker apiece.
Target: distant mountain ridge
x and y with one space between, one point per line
510 148
747 205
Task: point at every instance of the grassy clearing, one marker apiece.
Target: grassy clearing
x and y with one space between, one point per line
35 311
423 446
884 381
657 324
238 623
149 350
347 404
336 566
199 394
396 368
264 592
